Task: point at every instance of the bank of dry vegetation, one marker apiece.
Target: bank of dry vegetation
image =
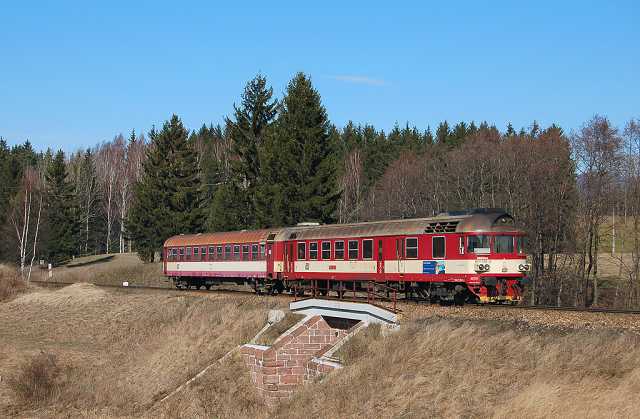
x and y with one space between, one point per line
10 283
437 367
83 351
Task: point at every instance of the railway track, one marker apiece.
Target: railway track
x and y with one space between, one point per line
401 302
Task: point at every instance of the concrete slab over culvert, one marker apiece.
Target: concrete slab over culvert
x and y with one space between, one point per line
364 312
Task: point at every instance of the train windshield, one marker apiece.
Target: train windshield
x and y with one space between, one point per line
478 244
503 244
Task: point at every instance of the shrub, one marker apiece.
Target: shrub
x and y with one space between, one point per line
37 380
10 284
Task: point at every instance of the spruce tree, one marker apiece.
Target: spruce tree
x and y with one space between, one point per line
62 212
300 161
442 132
248 128
234 205
168 199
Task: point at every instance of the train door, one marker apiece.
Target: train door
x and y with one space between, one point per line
380 258
269 256
289 265
285 259
400 255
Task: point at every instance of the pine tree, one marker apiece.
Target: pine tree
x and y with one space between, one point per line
62 217
300 161
168 198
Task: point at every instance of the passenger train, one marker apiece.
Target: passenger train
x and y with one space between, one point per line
455 257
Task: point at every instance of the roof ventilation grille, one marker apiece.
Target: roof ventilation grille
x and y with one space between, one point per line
441 227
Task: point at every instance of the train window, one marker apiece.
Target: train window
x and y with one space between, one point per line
380 250
437 247
245 252
367 249
181 251
236 251
461 246
326 250
339 250
203 250
313 250
411 248
212 250
254 252
503 244
353 249
188 251
262 248
302 251
195 253
220 252
478 244
519 244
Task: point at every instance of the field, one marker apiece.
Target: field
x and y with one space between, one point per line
111 269
95 352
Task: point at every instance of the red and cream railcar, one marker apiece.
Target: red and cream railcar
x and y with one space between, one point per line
466 256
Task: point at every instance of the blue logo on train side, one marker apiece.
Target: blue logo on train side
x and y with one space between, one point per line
433 267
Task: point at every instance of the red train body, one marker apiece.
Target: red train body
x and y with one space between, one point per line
474 256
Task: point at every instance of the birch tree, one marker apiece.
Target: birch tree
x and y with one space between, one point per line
25 216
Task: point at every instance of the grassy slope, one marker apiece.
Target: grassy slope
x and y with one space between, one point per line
119 351
108 269
451 368
445 368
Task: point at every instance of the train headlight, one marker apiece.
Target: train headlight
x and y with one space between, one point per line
482 267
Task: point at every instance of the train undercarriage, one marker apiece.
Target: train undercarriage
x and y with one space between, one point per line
492 290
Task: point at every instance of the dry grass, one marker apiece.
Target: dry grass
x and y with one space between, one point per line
117 353
120 351
446 368
275 330
358 346
453 369
37 380
224 393
109 270
10 283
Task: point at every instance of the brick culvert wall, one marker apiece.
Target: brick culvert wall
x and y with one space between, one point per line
294 358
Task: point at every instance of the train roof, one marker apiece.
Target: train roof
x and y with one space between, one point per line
478 220
246 236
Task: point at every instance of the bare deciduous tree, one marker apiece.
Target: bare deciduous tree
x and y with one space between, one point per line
596 148
24 217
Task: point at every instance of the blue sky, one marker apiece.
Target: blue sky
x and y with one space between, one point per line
73 74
